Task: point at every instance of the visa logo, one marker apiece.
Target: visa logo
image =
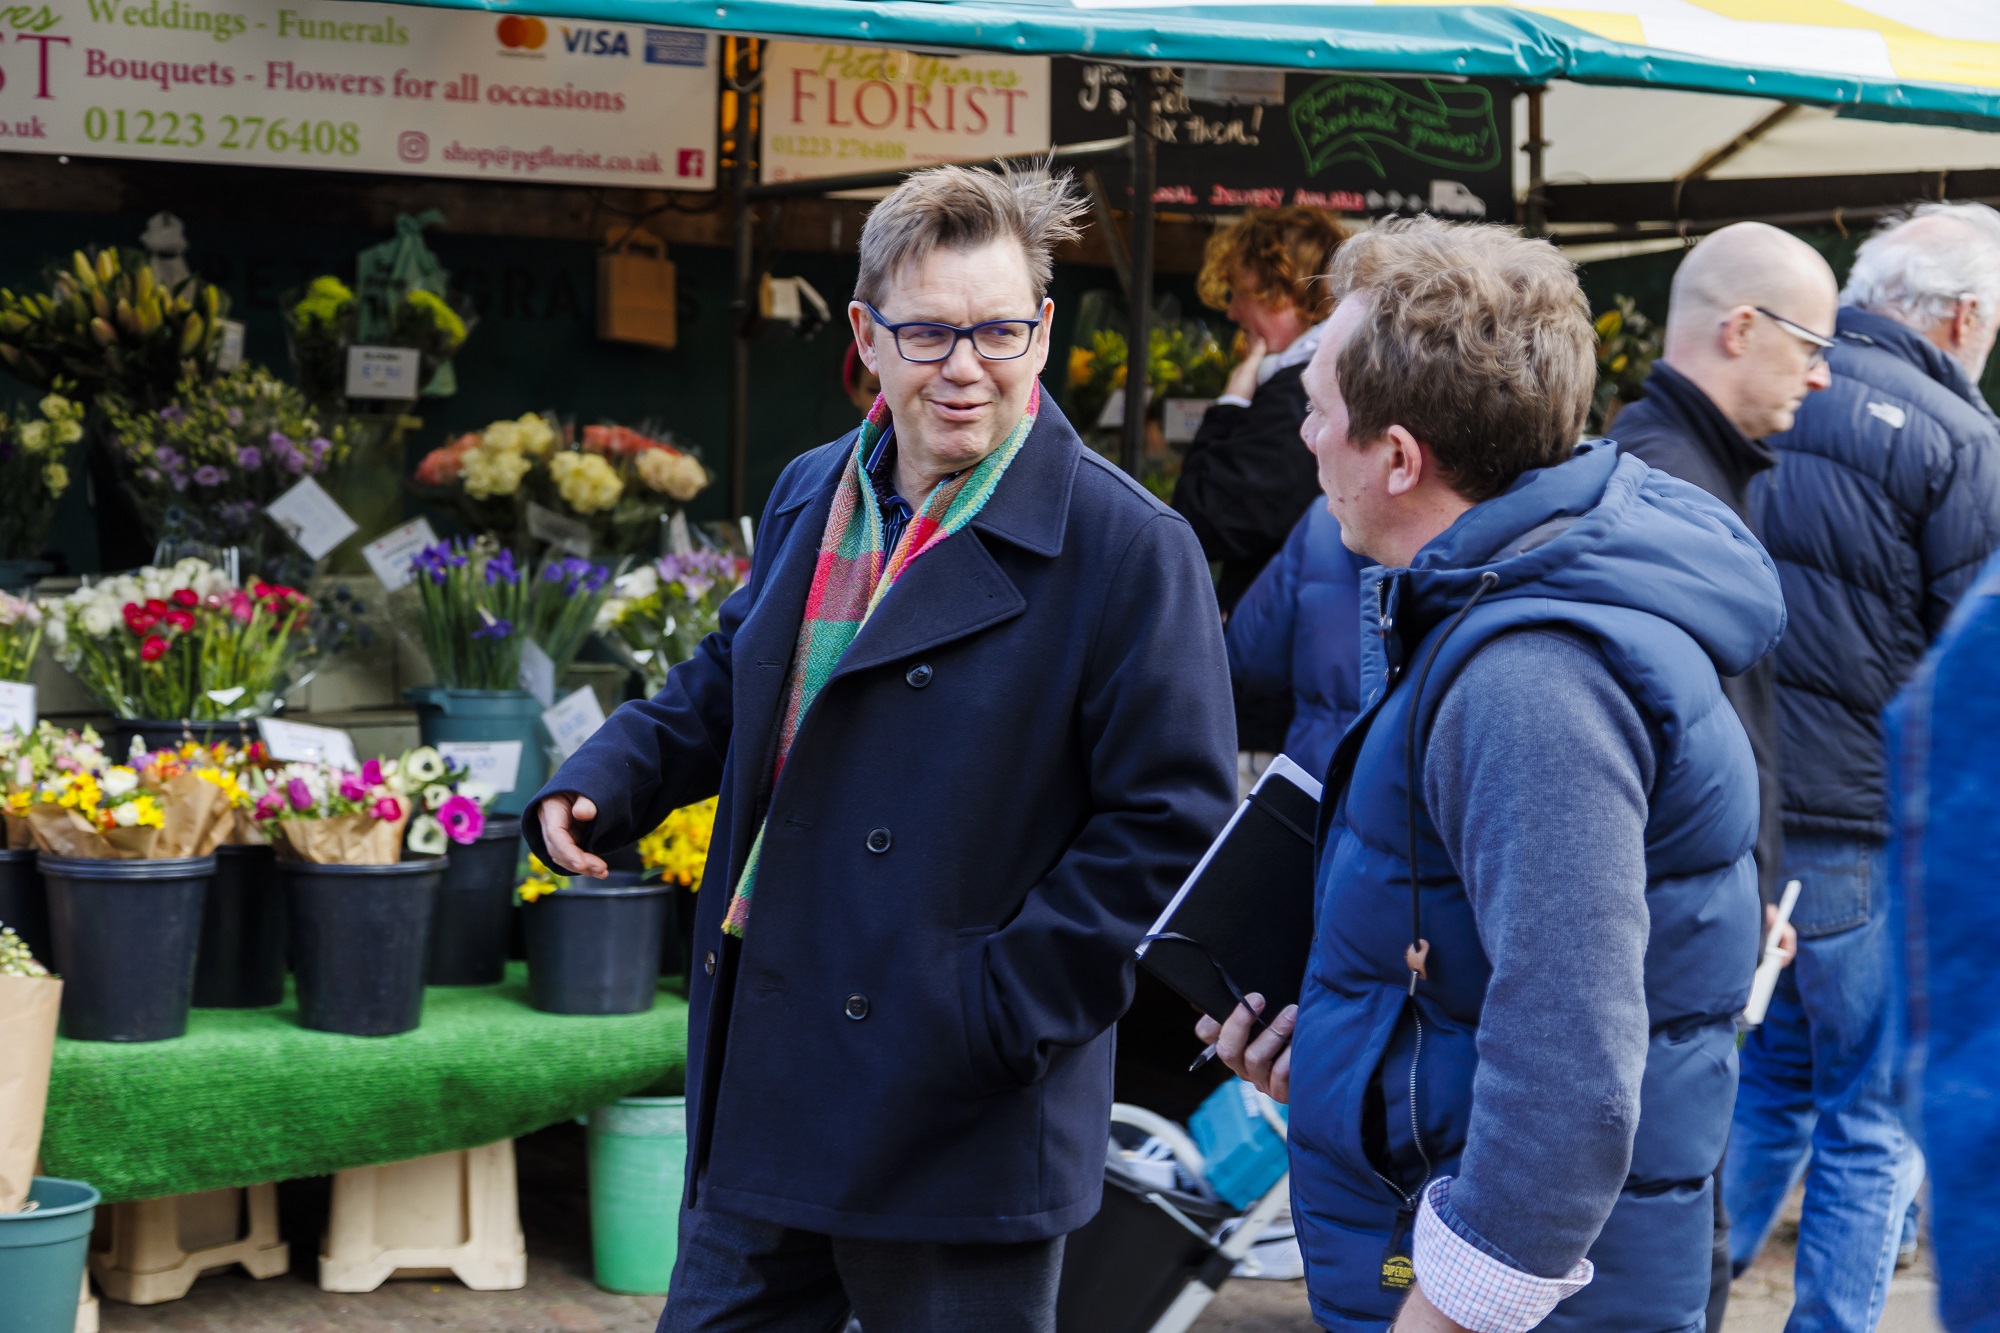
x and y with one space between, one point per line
595 42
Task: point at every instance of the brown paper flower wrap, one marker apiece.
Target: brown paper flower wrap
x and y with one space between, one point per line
351 840
28 1011
196 819
19 837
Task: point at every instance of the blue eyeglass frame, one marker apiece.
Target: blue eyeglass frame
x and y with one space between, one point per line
958 335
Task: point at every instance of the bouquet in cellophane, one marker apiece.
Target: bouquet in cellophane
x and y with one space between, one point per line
20 635
30 1001
658 614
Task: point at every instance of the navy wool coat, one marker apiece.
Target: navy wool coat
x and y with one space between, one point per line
1017 761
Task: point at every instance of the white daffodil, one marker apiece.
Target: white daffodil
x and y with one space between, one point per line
427 836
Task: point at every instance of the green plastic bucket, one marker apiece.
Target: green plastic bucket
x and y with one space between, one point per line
488 715
638 1154
42 1253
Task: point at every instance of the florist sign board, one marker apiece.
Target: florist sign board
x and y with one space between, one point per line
841 110
347 86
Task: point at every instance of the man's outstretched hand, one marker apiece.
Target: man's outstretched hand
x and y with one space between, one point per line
560 815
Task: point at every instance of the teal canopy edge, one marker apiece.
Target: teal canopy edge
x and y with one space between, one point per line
1439 41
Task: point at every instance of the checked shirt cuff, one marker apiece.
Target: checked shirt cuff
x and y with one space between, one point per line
1470 1285
1232 400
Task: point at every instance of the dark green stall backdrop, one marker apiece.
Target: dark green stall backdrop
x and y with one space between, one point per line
535 347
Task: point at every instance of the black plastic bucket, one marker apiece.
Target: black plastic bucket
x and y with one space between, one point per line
241 963
125 935
24 903
594 947
360 939
475 909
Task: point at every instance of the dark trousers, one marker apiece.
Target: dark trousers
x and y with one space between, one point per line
734 1275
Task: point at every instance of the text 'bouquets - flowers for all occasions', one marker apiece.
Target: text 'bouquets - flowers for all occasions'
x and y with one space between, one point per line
659 613
472 610
183 642
73 801
338 816
35 472
20 635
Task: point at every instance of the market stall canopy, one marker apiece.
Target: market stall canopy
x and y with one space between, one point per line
1927 60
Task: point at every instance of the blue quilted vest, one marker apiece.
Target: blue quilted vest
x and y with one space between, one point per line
1672 588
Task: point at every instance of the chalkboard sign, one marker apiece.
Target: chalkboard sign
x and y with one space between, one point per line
1231 139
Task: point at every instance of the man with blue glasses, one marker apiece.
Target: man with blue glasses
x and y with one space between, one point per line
970 724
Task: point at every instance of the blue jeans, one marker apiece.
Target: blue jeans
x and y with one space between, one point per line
1816 1096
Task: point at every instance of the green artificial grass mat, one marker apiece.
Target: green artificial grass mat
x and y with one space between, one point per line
249 1096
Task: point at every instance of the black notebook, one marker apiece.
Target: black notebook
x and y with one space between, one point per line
1243 921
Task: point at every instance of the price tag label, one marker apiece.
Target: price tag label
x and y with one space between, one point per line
1180 418
17 707
302 743
495 763
680 541
571 534
574 720
229 356
538 673
388 556
312 518
383 372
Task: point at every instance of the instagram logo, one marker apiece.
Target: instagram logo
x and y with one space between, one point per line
413 145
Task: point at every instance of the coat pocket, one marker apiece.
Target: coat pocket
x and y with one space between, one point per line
987 1071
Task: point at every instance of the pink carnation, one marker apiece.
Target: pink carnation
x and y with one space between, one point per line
270 803
301 795
462 819
388 808
352 788
371 772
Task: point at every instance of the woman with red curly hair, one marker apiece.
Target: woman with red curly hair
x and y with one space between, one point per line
1248 477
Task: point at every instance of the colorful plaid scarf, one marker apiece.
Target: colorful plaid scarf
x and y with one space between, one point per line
852 576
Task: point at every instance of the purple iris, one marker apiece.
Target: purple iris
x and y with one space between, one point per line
437 561
208 475
278 441
499 629
168 457
501 569
250 458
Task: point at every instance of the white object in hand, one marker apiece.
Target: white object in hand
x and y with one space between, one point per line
1766 980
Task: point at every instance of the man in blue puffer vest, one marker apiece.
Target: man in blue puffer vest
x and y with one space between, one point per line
1297 631
1884 505
1511 1071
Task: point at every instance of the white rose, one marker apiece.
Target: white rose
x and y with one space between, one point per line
98 619
188 571
119 782
126 815
58 632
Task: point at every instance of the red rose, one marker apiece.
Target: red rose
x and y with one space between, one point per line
156 606
139 621
261 588
153 648
187 597
180 620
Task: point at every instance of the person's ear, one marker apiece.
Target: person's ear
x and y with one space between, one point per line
1967 320
1048 332
1736 330
1406 461
864 335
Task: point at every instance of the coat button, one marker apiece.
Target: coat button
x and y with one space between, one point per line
857 1007
918 675
708 962
878 840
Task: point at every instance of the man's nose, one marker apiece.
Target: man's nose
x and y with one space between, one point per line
1819 376
963 365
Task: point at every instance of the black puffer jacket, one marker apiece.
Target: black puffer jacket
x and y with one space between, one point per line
1883 506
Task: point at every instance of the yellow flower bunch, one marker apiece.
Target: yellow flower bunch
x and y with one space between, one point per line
671 472
503 454
678 848
585 481
239 796
541 881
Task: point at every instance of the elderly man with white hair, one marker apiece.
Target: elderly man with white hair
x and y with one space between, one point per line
1884 504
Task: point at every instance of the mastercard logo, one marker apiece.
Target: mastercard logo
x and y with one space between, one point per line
522 34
